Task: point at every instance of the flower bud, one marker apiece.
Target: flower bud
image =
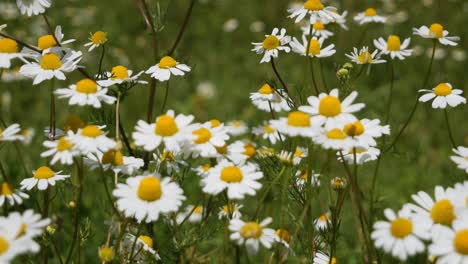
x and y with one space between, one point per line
338 183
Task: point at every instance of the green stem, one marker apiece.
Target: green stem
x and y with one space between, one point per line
449 130
101 59
265 193
45 214
165 98
76 221
323 76
131 259
285 87
183 27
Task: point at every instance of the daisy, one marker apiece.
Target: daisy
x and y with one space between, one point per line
401 235
285 157
322 258
369 16
461 196
206 140
267 99
318 30
316 10
49 66
7 192
303 178
28 135
443 95
299 154
266 131
330 111
106 254
11 133
461 158
340 20
241 151
195 212
283 237
11 246
46 42
363 155
32 225
61 150
363 56
9 51
364 132
394 47
97 39
323 222
334 138
42 177
203 170
272 45
296 124
167 66
86 92
436 31
237 127
32 7
252 234
143 252
230 211
237 180
91 139
168 129
147 197
118 75
315 45
114 160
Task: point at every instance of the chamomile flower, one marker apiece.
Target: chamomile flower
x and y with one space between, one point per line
436 31
11 133
401 235
97 39
316 10
394 47
195 212
285 157
168 129
86 92
450 245
237 180
206 140
299 154
241 151
11 246
363 56
118 75
363 155
283 237
330 111
48 66
43 177
10 194
267 99
49 42
322 222
272 45
303 178
228 210
33 7
147 197
61 150
316 48
369 16
32 225
166 67
334 138
322 258
296 124
143 250
252 234
340 20
461 158
28 135
443 95
364 132
91 139
115 160
9 51
237 127
203 170
318 29
266 131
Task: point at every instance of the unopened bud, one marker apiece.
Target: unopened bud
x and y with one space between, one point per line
348 66
342 73
51 229
72 204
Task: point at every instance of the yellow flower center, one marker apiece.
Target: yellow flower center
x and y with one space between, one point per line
63 144
74 123
50 61
46 41
394 43
147 240
461 242
370 12
249 150
206 167
442 90
313 5
149 189
443 212
4 245
237 124
91 131
198 210
271 42
215 123
323 218
298 119
437 30
314 47
251 230
203 135
231 174
365 57
222 150
86 86
336 134
334 261
268 129
401 227
119 72
319 26
354 129
167 62
6 189
44 172
166 126
229 208
106 254
283 234
99 37
330 106
304 175
266 89
112 157
167 156
8 46
299 152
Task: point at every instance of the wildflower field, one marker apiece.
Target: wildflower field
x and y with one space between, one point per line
218 131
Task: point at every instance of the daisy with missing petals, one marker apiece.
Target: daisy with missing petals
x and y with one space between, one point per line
296 124
86 92
322 222
167 66
97 39
206 140
194 214
364 132
240 151
61 150
9 51
115 160
42 177
316 10
394 47
318 30
267 132
237 127
369 16
252 234
461 158
143 251
230 211
32 7
330 111
168 129
11 133
315 47
238 180
436 31
363 155
443 95
363 56
32 225
8 193
303 178
283 237
322 258
272 45
267 99
147 197
49 42
401 235
91 139
334 138
118 75
49 66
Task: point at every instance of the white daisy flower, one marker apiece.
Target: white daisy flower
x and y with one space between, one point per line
241 151
363 155
340 20
196 214
237 127
206 140
115 161
316 10
394 47
33 7
322 258
322 222
272 45
461 158
252 234
285 157
86 92
97 39
330 111
296 124
266 131
401 235
49 42
461 196
369 16
364 132
32 225
283 237
168 129
49 66
43 177
203 170
315 47
334 138
436 31
143 252
228 210
118 75
11 133
167 66
28 135
299 154
8 193
11 245
238 180
91 139
9 51
61 150
363 56
267 99
443 95
318 30
303 178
